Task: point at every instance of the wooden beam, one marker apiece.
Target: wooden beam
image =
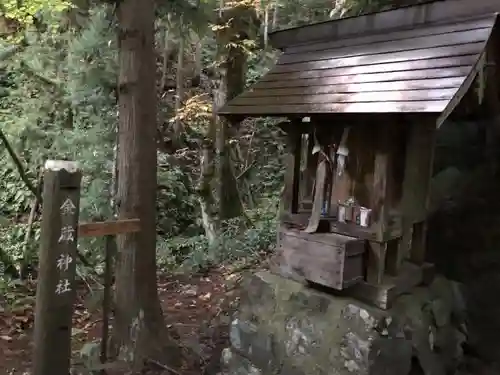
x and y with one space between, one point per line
292 173
399 250
491 88
416 185
377 251
375 270
296 173
109 228
418 242
462 91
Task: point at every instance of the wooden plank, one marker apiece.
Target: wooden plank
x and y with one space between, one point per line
56 292
333 86
417 84
330 239
398 35
384 294
417 64
426 42
464 88
384 58
344 75
440 62
453 12
436 106
109 228
345 229
357 97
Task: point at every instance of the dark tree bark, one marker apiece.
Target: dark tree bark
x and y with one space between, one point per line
239 21
140 330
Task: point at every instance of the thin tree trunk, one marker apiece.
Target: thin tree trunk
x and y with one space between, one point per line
266 26
113 189
274 24
207 177
198 63
31 219
207 203
232 75
140 328
167 49
19 166
178 127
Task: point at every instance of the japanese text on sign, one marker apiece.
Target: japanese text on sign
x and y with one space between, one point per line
67 234
64 261
68 207
63 286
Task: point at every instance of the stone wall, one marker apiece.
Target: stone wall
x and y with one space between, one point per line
464 234
284 328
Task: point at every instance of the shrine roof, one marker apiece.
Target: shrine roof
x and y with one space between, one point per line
419 59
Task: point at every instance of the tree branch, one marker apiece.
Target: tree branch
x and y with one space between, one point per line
10 51
245 171
19 166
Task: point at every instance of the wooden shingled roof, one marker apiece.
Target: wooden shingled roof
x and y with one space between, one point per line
413 60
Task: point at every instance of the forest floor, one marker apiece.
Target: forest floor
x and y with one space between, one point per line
196 307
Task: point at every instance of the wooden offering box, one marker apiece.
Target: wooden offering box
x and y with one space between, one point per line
327 259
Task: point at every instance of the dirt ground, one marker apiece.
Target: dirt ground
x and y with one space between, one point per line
198 308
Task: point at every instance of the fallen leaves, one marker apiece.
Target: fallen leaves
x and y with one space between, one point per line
197 307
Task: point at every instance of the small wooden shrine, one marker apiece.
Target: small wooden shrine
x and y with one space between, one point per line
363 98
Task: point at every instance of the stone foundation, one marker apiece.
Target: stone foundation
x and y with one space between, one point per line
285 328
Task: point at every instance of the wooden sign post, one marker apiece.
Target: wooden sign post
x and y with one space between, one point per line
56 292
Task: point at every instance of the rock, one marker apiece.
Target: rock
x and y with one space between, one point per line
235 364
284 327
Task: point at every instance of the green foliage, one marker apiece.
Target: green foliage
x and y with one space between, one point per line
57 100
12 242
15 197
15 201
194 253
24 12
59 105
177 203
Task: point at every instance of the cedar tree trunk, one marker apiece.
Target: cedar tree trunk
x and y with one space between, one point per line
140 329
